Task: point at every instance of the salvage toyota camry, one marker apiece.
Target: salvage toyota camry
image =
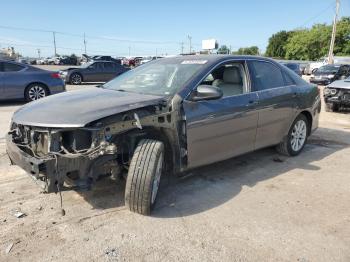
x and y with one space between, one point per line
167 116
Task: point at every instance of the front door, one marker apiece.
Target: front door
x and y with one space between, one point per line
222 128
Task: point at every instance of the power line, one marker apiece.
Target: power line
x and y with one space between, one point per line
317 15
88 36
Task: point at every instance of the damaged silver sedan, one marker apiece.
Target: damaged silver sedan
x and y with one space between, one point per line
167 116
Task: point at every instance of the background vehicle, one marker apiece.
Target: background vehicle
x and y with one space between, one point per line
99 71
294 67
148 59
337 95
328 73
18 81
171 115
106 58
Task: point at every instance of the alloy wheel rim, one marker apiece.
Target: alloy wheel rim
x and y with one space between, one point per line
156 180
76 79
298 135
36 92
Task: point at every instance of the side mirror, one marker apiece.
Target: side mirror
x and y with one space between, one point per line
207 92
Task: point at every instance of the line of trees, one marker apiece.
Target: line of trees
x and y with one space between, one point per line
302 44
310 44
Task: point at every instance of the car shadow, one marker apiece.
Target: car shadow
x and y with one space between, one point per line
207 187
12 103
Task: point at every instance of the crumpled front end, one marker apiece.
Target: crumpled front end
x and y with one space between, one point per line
54 156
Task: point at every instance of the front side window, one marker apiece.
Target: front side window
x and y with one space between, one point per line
265 75
9 67
230 78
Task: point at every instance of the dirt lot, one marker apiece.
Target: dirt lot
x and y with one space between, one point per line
258 207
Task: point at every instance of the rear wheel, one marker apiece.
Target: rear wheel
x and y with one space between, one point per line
75 79
144 175
295 141
35 91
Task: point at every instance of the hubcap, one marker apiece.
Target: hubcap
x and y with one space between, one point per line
36 92
76 79
156 179
298 135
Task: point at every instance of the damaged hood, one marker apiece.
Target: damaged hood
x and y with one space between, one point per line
345 84
78 108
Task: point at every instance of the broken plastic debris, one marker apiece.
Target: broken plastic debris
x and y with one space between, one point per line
18 213
9 247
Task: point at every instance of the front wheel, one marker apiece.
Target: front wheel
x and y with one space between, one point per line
144 175
295 141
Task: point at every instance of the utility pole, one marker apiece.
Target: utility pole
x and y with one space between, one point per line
85 44
129 50
182 47
331 48
54 41
190 40
38 53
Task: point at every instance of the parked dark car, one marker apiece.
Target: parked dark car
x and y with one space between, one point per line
294 67
328 73
22 81
167 116
69 60
106 58
100 71
337 95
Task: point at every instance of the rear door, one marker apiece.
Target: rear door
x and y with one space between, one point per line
110 70
222 128
277 101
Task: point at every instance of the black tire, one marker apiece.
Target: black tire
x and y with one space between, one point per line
35 91
285 147
75 79
148 155
331 107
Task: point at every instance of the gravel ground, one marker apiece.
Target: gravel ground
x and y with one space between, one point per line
257 207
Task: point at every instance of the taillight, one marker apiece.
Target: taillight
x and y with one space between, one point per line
55 75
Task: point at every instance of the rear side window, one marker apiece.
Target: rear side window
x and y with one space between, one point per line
9 67
265 75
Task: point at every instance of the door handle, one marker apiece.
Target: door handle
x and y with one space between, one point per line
294 95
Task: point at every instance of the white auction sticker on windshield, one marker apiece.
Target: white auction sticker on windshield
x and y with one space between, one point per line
194 62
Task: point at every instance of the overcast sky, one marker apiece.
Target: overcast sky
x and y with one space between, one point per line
150 27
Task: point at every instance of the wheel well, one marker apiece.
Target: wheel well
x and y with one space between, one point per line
309 119
133 137
40 83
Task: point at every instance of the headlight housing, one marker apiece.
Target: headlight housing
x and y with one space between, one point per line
330 76
330 91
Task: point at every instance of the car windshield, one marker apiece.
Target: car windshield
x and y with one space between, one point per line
161 77
328 69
